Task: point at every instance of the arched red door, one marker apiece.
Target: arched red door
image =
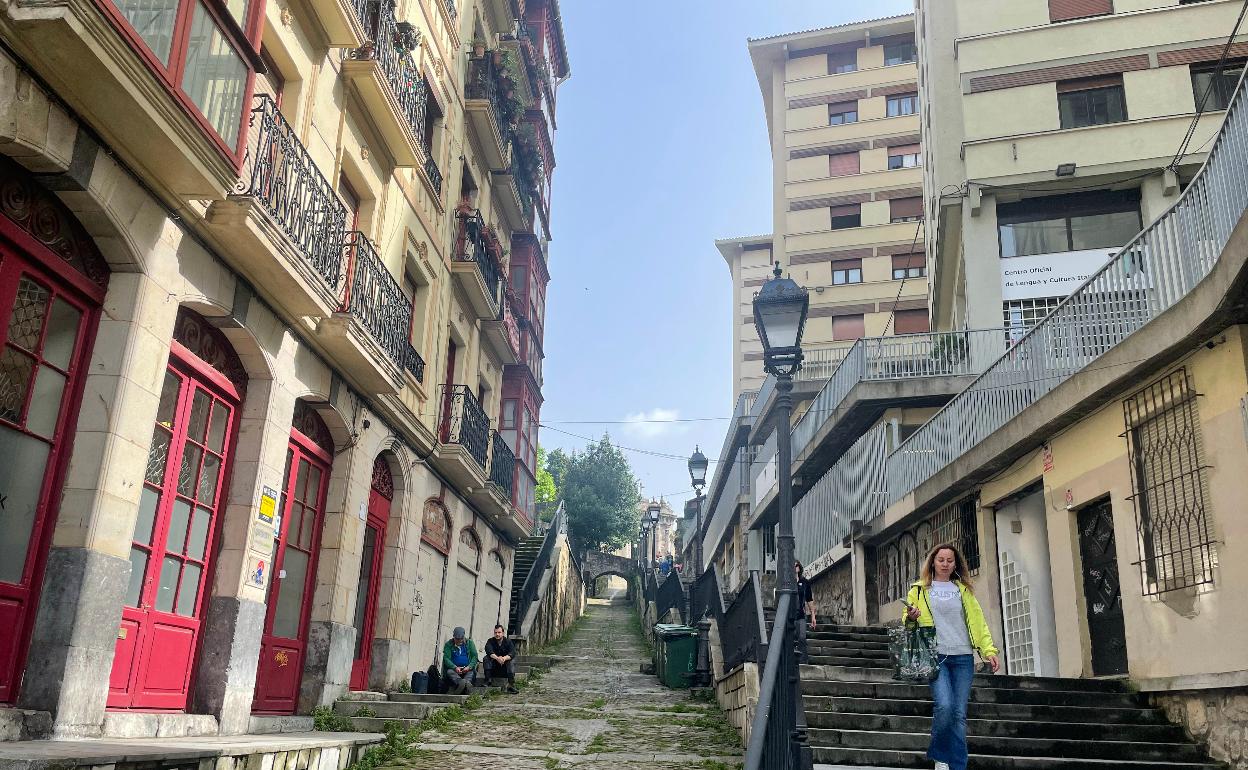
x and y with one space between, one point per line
183 495
296 543
51 287
379 498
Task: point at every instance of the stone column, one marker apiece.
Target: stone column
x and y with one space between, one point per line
858 563
982 261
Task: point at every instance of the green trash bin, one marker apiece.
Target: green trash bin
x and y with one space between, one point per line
677 654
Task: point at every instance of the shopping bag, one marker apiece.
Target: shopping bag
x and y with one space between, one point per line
914 653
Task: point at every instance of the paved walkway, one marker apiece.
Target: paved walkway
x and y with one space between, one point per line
592 710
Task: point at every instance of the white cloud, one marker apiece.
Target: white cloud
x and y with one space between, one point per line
655 423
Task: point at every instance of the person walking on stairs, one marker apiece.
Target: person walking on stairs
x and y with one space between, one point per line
943 597
804 611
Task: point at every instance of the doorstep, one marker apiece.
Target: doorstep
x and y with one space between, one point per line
24 724
313 750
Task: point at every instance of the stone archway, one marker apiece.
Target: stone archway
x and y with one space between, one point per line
597 564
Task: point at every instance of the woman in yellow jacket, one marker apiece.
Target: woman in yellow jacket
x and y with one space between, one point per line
942 597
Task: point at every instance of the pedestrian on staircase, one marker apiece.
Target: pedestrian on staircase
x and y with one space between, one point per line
804 611
943 597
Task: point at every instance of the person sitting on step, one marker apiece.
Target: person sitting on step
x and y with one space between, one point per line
459 663
500 659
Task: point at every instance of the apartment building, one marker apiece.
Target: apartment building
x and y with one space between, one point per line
1055 130
273 282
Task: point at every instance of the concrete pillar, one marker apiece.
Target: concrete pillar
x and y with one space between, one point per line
982 260
88 567
858 562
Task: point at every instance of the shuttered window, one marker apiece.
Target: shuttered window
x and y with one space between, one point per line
909 266
842 112
910 321
904 156
846 271
843 164
1063 10
848 327
905 209
845 216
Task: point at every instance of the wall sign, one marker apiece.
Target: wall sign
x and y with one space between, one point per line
268 504
1049 275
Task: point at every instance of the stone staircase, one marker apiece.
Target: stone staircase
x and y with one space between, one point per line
526 554
858 716
410 708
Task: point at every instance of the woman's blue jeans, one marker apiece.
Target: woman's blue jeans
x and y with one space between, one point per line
951 691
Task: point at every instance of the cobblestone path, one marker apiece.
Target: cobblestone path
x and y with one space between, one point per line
592 710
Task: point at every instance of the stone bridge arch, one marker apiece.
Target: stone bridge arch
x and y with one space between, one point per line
597 564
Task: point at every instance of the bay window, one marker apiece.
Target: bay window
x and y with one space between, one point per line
1060 223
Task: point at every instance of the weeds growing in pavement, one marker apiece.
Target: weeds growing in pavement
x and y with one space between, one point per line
597 703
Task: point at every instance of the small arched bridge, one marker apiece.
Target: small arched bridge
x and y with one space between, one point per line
597 564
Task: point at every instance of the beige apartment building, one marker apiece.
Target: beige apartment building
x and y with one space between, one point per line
272 284
841 106
1053 131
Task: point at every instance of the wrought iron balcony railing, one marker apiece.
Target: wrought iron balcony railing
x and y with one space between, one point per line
283 178
482 83
415 363
502 465
391 47
474 246
375 299
464 422
433 172
451 10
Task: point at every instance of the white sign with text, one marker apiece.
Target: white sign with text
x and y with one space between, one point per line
1049 275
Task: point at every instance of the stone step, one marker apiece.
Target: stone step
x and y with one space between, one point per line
1011 711
896 758
849 662
362 695
387 709
837 636
828 644
378 724
999 693
997 746
1001 728
24 724
425 697
815 670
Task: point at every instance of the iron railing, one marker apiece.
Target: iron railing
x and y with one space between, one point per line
528 592
818 363
706 599
474 246
415 364
904 356
451 10
778 731
502 464
377 301
391 47
1149 275
285 180
433 172
482 83
743 635
670 596
852 489
464 422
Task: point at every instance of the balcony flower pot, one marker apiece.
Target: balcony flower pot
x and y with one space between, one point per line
478 48
498 58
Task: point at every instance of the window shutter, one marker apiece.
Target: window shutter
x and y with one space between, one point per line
1084 84
910 321
845 211
848 327
905 207
839 107
844 164
847 264
1063 10
903 149
907 261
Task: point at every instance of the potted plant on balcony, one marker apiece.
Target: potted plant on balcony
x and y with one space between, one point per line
949 349
478 47
406 37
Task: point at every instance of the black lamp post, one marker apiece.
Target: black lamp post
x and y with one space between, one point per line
697 475
780 308
653 513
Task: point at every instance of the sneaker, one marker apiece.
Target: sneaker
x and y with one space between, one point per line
511 690
942 766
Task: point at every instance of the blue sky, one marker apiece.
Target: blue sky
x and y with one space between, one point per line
661 148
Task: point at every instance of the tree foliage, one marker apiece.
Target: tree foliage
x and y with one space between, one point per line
600 494
547 490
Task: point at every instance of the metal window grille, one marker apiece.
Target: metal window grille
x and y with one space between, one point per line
1170 480
1022 314
899 560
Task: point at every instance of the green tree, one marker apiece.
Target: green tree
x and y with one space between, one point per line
557 465
600 494
547 491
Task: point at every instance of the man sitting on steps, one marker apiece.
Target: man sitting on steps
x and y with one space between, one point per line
500 659
459 663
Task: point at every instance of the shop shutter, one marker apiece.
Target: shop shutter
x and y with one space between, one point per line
1062 10
843 164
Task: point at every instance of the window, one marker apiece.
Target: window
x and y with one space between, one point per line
905 209
351 200
846 271
203 55
433 117
1099 220
841 62
1021 315
507 419
902 104
1215 88
845 216
1091 102
900 53
848 327
1064 10
845 112
843 164
1169 478
909 266
910 321
271 82
904 156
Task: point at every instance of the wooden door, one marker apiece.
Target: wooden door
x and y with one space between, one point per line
182 496
1102 593
379 498
46 327
296 543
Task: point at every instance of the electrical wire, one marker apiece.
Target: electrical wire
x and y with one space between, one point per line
1204 97
913 242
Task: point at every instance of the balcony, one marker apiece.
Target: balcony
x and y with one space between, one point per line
288 209
342 21
489 108
851 237
495 497
475 265
369 336
391 87
464 437
503 333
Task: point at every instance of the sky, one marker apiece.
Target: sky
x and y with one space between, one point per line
661 149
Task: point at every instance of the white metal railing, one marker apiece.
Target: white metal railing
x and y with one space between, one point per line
852 489
903 356
725 505
1150 274
819 363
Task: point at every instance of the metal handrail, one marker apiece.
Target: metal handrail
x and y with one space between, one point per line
532 581
778 730
743 635
1150 274
670 595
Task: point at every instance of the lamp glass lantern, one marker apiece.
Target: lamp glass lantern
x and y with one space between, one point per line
780 309
697 469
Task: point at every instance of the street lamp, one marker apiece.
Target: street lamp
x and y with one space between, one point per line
780 308
653 514
697 475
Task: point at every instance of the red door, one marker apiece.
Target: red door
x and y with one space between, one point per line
296 543
182 497
46 325
370 572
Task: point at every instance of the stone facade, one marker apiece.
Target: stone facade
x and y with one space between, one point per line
1218 717
737 690
562 597
834 594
